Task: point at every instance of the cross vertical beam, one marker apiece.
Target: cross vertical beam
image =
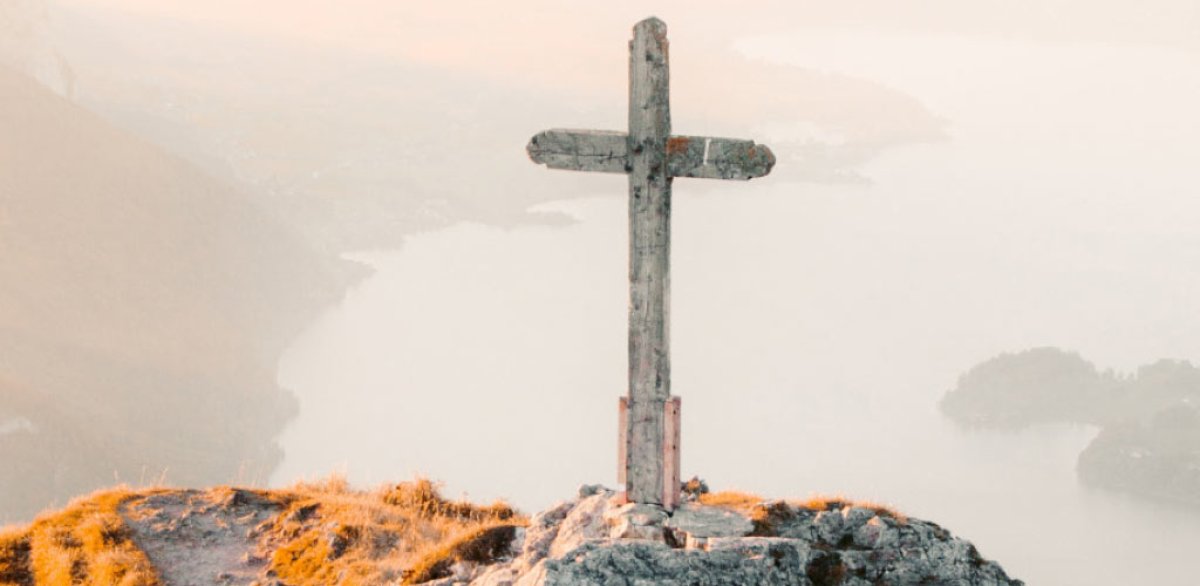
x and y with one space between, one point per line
648 447
649 262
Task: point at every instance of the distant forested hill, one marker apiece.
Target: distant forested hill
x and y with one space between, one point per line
1149 443
143 306
1041 385
1049 385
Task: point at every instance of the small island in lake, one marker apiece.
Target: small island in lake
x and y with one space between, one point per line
1149 443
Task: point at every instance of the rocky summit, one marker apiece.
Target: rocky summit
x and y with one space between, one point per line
598 539
407 534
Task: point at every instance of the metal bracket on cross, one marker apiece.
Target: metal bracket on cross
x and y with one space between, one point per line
651 157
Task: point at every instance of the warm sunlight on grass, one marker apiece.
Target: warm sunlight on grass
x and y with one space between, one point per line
86 543
14 557
742 502
323 533
831 503
311 534
331 534
760 511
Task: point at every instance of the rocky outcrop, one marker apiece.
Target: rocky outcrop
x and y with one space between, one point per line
407 534
579 543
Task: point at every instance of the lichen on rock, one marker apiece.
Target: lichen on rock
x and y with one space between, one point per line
774 543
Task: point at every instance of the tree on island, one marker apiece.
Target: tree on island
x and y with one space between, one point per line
1040 385
1149 443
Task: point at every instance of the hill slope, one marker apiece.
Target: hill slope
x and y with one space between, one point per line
408 534
136 294
307 535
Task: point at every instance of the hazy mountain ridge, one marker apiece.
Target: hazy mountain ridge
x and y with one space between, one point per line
142 308
1049 385
1149 443
26 44
356 148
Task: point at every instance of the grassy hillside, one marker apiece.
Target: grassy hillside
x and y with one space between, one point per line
310 534
315 534
142 308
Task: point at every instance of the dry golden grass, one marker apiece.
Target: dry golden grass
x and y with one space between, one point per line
830 503
325 533
742 502
482 546
87 543
329 534
761 513
14 558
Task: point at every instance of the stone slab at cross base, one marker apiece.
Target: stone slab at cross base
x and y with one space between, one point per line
703 521
637 521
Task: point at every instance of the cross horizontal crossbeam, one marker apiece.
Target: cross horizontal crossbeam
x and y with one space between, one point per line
687 156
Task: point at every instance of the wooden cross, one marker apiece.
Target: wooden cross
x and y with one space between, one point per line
649 440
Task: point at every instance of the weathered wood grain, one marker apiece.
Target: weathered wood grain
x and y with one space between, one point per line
581 150
671 448
622 439
700 157
649 258
717 158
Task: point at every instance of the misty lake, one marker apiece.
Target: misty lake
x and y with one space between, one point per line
814 327
492 360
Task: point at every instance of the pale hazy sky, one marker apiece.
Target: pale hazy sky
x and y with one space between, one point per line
525 38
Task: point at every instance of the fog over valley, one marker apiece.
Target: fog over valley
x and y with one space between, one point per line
264 244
